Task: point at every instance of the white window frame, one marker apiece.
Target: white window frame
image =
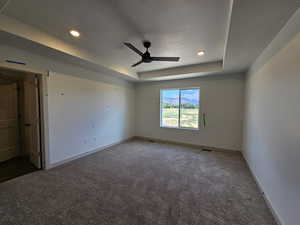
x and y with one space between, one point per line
179 127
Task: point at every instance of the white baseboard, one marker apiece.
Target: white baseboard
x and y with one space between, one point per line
263 193
52 165
186 144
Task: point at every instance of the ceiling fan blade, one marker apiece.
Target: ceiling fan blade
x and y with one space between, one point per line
138 63
133 48
167 59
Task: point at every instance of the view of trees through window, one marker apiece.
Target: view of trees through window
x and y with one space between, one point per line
180 108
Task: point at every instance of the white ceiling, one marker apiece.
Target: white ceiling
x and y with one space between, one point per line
175 28
254 24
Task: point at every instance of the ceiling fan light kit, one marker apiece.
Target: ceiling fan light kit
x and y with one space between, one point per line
146 56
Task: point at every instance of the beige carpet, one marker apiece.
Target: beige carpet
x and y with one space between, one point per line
138 183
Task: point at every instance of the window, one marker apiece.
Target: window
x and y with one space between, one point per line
179 108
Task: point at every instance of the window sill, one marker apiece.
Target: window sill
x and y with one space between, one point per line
181 128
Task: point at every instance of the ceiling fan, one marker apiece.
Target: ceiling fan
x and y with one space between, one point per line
146 57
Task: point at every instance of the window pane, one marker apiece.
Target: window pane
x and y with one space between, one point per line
189 109
169 108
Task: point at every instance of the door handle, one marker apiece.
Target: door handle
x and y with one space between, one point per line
204 119
27 124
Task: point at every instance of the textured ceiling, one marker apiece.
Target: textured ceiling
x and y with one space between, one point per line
232 32
175 27
254 24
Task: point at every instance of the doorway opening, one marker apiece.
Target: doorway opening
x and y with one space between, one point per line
20 124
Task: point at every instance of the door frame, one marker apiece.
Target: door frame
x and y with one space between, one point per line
43 76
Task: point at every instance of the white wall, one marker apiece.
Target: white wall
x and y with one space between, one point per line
86 109
272 127
85 115
222 99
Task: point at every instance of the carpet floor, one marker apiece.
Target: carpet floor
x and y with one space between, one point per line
137 183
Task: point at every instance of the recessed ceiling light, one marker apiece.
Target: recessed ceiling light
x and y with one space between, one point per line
201 53
74 33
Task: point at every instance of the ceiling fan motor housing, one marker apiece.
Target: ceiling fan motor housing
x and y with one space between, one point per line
147 44
146 57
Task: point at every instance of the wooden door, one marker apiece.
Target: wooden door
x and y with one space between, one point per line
32 120
9 131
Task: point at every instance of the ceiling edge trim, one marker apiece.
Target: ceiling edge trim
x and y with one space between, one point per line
228 29
289 31
184 71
